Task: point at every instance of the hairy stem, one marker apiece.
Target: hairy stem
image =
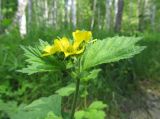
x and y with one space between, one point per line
75 98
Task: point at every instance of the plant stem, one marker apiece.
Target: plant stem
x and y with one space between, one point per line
85 98
75 98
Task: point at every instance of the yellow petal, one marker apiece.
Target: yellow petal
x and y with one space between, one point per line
51 49
80 36
73 52
68 54
47 48
63 43
57 44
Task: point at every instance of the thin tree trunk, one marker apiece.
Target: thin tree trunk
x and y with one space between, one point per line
21 16
74 17
119 16
139 15
0 10
115 9
93 16
29 11
0 15
152 17
108 14
46 11
41 11
67 11
130 9
63 13
141 8
99 18
55 13
37 9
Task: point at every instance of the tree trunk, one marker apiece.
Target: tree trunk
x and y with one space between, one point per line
130 10
55 13
0 15
37 15
115 9
108 14
93 16
152 16
74 17
21 16
46 11
0 10
144 13
119 16
29 11
67 12
99 18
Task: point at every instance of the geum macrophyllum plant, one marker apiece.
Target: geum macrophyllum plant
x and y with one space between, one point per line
78 57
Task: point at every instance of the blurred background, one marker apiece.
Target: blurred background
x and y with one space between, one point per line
129 87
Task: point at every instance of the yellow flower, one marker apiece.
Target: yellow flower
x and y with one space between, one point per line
51 49
80 36
63 44
67 48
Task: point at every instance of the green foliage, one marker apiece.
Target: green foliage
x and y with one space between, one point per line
90 75
96 53
23 89
51 115
150 68
97 105
66 91
52 103
38 63
110 50
39 109
9 107
94 111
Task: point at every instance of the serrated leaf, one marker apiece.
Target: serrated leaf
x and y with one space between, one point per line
66 91
37 63
110 50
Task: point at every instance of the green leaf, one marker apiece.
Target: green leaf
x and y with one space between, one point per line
9 107
91 75
84 93
94 111
79 115
95 114
40 108
66 91
51 115
37 63
110 50
97 105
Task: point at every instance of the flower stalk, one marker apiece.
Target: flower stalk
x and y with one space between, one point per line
75 98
